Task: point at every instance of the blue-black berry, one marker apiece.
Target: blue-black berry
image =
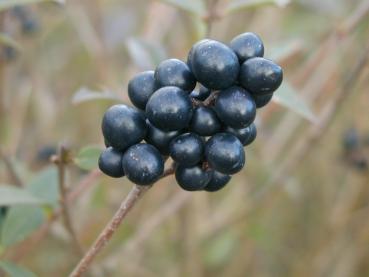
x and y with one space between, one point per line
224 153
123 126
246 46
143 164
214 64
201 93
260 76
235 107
218 181
174 72
169 109
141 87
187 149
204 121
110 162
192 178
245 135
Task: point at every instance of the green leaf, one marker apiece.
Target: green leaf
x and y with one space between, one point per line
10 195
85 94
9 41
88 156
14 270
45 186
196 7
237 5
19 223
6 4
286 96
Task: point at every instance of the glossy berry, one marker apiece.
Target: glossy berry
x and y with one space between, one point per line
174 72
110 162
245 135
204 121
262 99
160 139
192 178
192 51
246 46
260 76
217 182
143 164
169 109
215 65
201 94
224 153
123 126
187 149
141 87
235 107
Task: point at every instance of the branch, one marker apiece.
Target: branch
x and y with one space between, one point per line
62 160
128 203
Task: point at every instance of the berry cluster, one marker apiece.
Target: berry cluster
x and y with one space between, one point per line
203 130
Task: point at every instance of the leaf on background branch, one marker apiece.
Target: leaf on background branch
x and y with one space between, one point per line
88 156
7 40
85 94
45 186
145 54
286 96
6 4
10 195
196 7
14 270
19 223
247 4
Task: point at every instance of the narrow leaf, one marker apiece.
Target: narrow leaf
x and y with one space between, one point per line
287 97
85 94
10 195
6 4
247 4
196 7
45 186
19 223
14 270
88 156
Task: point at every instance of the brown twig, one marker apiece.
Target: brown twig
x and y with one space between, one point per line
61 162
211 16
128 203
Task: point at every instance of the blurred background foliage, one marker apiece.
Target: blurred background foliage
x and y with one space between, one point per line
300 207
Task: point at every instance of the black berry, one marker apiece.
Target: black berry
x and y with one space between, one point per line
262 99
141 87
224 153
143 164
245 135
214 64
217 182
169 109
235 107
204 121
201 94
192 178
187 149
123 126
160 139
260 76
246 46
176 73
192 51
110 162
